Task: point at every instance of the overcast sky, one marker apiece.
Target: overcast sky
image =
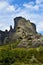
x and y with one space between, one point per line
30 9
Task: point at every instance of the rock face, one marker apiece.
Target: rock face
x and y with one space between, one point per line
23 27
24 24
25 31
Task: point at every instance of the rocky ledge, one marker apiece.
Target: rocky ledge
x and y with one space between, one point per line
24 31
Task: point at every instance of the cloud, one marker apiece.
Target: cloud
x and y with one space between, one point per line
10 8
30 10
40 26
35 13
6 11
33 17
30 6
5 5
39 1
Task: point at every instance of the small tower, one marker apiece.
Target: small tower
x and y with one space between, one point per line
10 27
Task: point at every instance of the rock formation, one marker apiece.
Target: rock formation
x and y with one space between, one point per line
23 30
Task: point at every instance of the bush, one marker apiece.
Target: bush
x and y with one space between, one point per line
39 55
11 56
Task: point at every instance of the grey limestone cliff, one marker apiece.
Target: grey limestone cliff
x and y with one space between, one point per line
23 30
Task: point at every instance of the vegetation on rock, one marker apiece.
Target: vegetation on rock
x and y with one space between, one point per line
21 45
21 56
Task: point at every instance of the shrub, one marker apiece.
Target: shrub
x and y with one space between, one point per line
10 56
39 55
